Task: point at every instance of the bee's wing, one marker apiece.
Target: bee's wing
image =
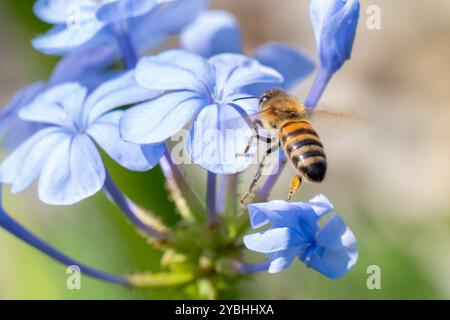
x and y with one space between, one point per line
335 124
333 114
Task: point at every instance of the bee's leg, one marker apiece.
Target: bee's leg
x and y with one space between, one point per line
256 124
295 184
258 173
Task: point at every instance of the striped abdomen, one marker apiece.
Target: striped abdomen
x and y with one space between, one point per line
304 149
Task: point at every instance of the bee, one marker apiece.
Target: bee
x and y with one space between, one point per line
296 136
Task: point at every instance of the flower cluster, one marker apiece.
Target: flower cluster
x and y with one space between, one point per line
54 129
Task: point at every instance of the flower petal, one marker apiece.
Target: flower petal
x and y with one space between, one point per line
213 32
321 205
73 171
124 9
120 91
176 70
273 240
87 64
172 17
215 140
298 216
24 165
281 260
334 23
235 71
290 62
105 131
9 114
60 105
153 153
159 119
152 29
337 249
58 11
61 39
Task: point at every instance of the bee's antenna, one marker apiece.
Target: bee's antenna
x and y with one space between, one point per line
245 98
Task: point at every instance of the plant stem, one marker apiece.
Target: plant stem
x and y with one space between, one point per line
129 55
130 209
211 198
315 93
181 193
12 226
247 268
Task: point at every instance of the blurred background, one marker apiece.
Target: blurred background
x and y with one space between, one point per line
388 177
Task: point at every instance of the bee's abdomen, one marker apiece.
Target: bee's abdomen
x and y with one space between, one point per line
304 149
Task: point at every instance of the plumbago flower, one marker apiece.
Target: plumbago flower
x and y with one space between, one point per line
13 130
110 29
334 23
63 154
202 90
295 232
215 32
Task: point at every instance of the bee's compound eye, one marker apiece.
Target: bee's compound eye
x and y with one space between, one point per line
264 99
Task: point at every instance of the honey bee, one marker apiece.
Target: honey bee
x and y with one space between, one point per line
298 138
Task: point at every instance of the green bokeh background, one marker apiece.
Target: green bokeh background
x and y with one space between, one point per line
411 246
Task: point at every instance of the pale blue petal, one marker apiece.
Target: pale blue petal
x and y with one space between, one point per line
153 29
61 39
273 240
157 120
290 62
9 114
124 9
175 70
234 71
261 214
298 216
281 260
58 11
321 205
60 105
73 171
215 140
118 92
13 130
24 165
87 64
213 32
105 131
250 106
153 153
337 249
172 17
334 23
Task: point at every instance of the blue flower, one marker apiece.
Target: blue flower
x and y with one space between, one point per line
203 90
102 25
75 67
215 32
295 232
63 154
13 130
334 23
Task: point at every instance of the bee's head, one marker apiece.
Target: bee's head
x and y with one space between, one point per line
268 97
278 101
